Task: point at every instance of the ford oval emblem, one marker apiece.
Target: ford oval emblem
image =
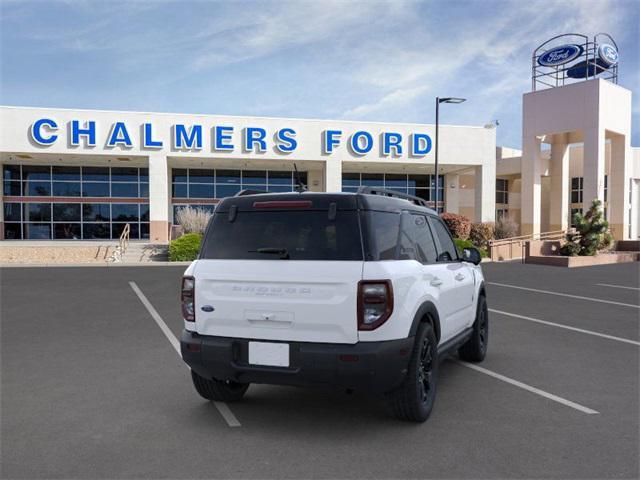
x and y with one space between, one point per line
608 54
560 55
207 308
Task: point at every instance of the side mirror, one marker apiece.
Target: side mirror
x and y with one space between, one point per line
471 255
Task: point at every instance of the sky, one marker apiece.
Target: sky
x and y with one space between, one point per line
344 60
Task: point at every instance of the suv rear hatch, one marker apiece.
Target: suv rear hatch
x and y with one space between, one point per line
281 267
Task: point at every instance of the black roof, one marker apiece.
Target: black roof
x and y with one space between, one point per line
379 201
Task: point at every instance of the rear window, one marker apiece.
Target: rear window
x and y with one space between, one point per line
273 235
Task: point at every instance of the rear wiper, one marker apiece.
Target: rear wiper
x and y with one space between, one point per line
284 254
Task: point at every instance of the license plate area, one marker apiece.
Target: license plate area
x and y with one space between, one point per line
269 354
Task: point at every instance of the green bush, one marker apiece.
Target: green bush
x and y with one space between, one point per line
185 248
462 244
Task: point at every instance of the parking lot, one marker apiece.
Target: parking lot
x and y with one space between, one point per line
93 387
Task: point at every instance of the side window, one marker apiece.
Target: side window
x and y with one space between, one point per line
384 229
446 248
406 244
417 236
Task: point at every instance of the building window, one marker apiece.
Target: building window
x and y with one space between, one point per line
576 190
212 184
63 181
502 190
64 213
606 187
422 186
200 185
502 213
573 212
74 221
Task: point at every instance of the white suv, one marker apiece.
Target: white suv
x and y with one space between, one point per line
359 290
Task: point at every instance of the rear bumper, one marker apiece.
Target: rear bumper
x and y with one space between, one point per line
372 366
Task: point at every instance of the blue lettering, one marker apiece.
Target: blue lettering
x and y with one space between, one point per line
147 138
119 136
36 131
253 136
329 141
421 144
184 139
287 141
89 131
391 140
356 145
221 137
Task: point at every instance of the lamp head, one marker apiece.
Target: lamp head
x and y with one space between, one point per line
451 100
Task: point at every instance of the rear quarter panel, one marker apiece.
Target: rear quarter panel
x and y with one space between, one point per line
410 290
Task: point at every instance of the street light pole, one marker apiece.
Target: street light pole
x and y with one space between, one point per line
436 152
438 102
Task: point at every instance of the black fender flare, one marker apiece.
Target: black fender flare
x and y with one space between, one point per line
482 291
427 309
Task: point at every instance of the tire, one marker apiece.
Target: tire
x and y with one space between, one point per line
413 400
475 349
218 390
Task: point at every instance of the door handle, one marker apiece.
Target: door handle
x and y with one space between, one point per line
436 282
459 277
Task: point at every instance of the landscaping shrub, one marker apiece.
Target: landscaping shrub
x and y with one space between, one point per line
481 233
185 248
505 228
462 244
459 225
591 235
193 220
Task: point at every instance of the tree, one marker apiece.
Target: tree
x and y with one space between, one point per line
591 235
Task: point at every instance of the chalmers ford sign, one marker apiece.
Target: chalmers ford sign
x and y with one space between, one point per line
221 138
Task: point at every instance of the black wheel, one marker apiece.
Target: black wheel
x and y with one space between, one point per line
475 349
413 400
218 390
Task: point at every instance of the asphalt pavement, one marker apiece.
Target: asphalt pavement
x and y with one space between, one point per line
92 387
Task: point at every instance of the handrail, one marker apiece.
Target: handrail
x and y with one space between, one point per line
525 238
123 244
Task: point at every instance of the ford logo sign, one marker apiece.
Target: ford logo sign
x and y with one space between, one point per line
608 54
560 55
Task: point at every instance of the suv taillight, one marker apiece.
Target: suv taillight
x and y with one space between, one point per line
375 303
187 297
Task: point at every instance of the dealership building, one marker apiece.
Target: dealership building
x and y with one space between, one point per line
85 174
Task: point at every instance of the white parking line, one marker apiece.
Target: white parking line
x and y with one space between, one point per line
566 327
222 407
529 388
616 286
590 299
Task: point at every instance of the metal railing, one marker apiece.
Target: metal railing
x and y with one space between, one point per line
514 247
123 244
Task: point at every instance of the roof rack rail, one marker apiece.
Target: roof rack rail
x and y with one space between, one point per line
249 191
393 193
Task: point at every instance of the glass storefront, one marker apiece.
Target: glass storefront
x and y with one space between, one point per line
422 186
198 184
63 213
